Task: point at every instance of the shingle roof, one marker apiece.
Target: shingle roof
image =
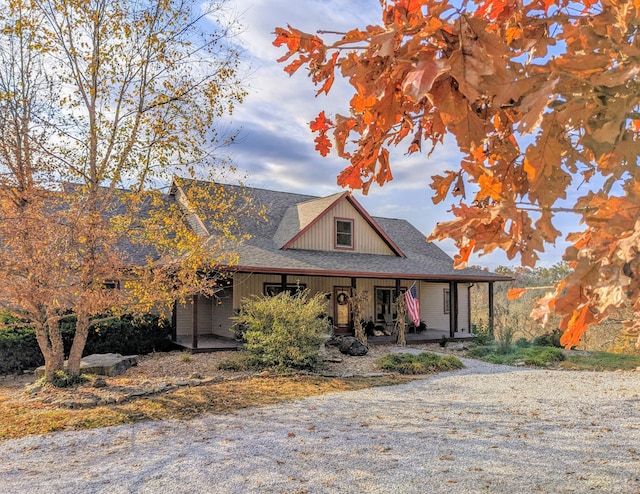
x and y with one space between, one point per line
287 214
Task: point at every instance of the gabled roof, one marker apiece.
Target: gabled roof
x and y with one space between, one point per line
289 214
299 218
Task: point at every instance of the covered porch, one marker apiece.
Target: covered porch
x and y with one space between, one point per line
204 324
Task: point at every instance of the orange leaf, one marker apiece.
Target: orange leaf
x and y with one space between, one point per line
515 293
490 187
323 144
360 103
321 123
419 81
441 185
384 170
492 9
578 323
350 177
461 259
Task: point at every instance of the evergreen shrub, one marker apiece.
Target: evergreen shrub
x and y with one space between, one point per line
284 331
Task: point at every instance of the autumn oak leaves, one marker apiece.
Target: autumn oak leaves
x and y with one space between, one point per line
541 97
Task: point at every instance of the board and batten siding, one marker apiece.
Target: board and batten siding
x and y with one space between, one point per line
246 285
213 316
432 305
321 236
463 308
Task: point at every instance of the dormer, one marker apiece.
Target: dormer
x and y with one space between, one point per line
336 223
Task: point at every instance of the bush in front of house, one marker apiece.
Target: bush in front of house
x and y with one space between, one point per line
284 331
19 350
127 335
130 335
423 363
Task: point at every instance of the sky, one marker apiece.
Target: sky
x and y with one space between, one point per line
276 149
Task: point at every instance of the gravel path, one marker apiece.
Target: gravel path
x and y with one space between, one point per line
482 429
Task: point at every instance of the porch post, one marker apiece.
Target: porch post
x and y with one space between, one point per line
174 322
283 282
491 315
469 287
453 308
194 325
352 325
397 292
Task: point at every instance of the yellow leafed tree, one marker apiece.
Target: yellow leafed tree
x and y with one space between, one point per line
97 96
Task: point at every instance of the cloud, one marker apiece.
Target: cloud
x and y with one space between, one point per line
276 148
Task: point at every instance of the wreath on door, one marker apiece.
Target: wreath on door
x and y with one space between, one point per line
342 298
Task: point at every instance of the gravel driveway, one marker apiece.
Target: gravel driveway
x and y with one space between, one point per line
482 429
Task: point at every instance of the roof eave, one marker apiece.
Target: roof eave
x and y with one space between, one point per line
365 274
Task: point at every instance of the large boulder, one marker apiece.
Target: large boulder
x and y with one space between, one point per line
351 346
102 364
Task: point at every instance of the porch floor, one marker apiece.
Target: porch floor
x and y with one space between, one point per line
213 343
428 336
208 343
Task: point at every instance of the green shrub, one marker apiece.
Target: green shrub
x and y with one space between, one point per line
130 335
481 351
126 335
544 356
549 339
533 355
284 331
423 363
63 380
522 343
19 350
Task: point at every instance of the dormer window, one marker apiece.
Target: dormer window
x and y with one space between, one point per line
344 234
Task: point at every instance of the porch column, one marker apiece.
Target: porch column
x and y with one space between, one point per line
453 308
491 315
283 282
469 287
352 325
397 292
194 324
174 322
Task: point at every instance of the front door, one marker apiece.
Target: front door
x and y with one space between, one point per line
341 309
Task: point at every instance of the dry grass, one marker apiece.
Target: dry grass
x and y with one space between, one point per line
22 416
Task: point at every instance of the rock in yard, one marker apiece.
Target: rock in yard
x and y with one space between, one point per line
351 346
102 364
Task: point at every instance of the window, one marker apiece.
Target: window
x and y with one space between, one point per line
384 302
271 289
111 285
447 300
344 234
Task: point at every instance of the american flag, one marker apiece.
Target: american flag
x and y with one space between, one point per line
413 305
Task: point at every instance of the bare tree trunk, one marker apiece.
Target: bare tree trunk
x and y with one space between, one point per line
79 341
50 342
